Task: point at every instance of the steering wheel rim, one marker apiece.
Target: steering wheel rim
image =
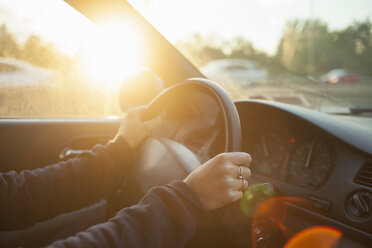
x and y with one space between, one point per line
230 114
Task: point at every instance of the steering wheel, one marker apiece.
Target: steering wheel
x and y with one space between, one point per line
172 158
230 114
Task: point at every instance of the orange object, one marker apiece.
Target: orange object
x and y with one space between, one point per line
317 236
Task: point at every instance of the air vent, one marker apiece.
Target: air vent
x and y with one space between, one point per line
359 204
364 175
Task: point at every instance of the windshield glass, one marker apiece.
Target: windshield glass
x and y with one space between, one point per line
312 53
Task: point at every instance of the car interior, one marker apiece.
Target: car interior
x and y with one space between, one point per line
304 154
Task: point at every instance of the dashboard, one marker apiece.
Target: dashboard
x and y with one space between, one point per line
291 156
314 156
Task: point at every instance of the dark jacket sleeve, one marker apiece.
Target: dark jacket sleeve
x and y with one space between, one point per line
35 195
165 217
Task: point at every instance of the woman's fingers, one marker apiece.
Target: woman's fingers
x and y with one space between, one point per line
237 184
134 130
151 124
238 158
235 195
241 172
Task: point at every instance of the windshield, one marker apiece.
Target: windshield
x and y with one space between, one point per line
317 54
54 62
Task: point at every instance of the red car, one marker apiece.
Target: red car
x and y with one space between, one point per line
341 76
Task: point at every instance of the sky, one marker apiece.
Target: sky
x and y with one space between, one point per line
260 21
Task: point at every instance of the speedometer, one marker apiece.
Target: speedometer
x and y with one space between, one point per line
311 164
268 153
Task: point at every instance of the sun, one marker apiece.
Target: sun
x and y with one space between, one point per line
112 53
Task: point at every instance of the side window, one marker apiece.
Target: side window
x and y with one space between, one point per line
56 63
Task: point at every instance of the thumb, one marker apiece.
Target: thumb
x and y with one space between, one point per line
151 124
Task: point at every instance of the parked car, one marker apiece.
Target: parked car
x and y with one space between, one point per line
243 71
15 72
342 76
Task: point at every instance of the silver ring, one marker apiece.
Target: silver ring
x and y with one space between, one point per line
240 169
243 184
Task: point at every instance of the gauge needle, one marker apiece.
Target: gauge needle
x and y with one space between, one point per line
308 159
263 142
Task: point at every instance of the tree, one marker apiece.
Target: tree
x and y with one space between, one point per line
351 49
308 47
44 55
200 49
9 47
303 44
241 47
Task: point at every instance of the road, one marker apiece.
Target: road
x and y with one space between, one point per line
309 94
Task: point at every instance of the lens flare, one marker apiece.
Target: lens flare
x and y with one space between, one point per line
317 236
269 217
268 226
253 196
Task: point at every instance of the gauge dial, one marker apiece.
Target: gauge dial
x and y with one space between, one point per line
268 154
310 164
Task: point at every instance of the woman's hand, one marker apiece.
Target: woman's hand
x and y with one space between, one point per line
133 129
221 180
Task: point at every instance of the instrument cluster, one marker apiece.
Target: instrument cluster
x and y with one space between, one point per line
295 159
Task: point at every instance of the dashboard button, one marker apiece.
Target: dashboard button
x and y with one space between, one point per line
320 203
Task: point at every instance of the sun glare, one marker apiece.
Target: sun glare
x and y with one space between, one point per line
113 53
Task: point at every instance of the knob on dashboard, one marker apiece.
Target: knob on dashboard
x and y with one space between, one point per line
359 204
